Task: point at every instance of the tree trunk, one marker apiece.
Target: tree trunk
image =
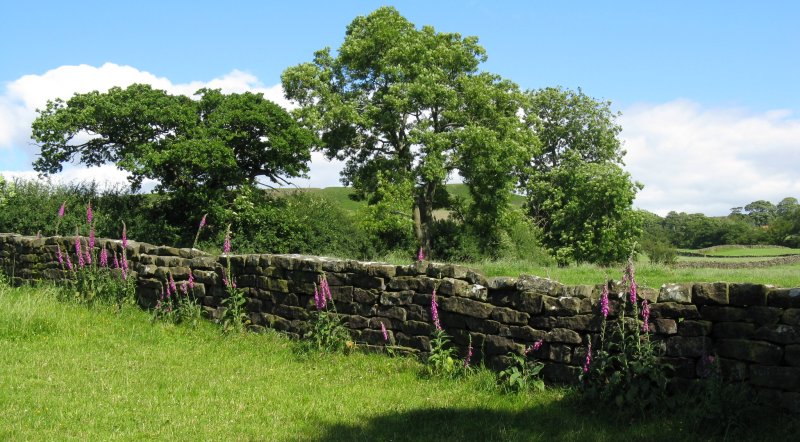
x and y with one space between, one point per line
423 216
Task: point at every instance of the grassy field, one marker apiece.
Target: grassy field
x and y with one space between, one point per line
341 195
647 274
723 259
744 251
72 373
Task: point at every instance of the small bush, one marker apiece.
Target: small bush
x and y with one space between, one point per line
660 252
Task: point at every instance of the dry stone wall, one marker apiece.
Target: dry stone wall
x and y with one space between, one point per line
753 330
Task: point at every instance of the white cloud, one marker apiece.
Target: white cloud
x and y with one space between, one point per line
21 98
696 159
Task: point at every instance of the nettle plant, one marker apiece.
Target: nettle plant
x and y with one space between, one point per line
522 374
626 370
91 278
327 332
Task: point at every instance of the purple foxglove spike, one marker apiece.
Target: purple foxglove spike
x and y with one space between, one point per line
104 257
81 262
604 307
226 246
62 209
89 214
588 360
435 312
317 300
385 333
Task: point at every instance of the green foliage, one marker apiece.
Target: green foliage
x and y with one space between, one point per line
785 229
95 285
295 222
659 252
442 359
387 218
411 104
197 150
178 306
453 242
327 333
7 191
585 210
718 403
520 375
626 371
694 231
234 317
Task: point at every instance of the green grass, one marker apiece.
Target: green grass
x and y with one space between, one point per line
770 251
647 274
732 250
341 195
723 259
72 373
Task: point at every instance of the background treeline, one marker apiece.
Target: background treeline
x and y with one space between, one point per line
760 222
261 220
331 222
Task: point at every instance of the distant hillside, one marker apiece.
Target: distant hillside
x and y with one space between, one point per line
341 195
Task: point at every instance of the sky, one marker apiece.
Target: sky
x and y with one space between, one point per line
708 90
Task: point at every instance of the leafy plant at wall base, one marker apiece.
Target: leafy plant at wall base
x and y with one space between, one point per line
520 375
626 370
178 307
442 359
718 403
234 317
327 332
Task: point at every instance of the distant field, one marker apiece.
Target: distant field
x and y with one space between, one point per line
647 274
341 196
744 251
723 258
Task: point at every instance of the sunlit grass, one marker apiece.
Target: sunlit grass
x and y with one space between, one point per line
69 372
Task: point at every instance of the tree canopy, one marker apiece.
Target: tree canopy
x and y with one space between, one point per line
577 191
412 104
202 147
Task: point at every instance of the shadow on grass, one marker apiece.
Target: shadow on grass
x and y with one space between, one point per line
566 420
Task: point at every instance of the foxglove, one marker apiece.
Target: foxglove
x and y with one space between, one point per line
435 311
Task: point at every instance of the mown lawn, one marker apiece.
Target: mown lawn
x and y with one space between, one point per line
69 372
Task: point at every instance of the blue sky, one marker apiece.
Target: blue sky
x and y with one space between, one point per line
708 90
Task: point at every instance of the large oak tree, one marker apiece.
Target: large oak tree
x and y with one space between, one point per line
200 149
411 104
